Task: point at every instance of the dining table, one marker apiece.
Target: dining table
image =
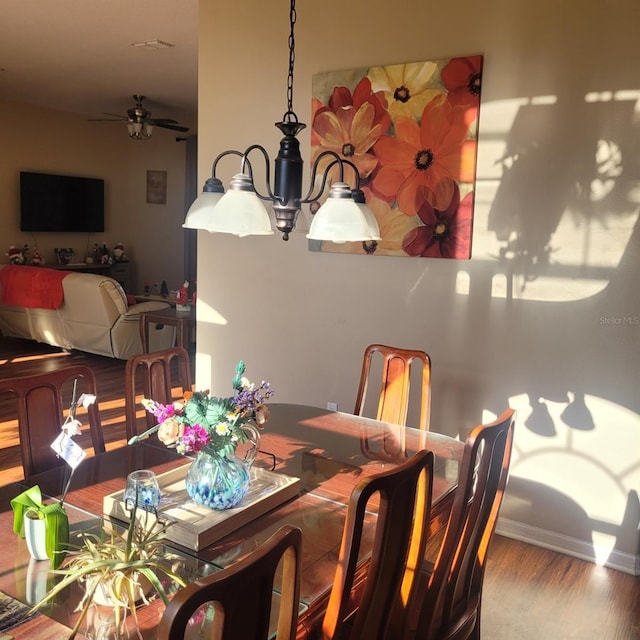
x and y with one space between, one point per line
329 451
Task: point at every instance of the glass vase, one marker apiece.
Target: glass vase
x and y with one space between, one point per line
219 480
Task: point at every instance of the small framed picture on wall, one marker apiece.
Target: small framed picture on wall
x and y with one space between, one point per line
156 187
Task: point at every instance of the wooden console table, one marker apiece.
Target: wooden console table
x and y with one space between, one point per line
183 321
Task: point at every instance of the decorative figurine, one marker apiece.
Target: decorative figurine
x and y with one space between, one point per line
147 289
105 255
94 254
36 258
164 289
183 294
118 253
16 255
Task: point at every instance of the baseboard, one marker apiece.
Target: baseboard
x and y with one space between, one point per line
625 562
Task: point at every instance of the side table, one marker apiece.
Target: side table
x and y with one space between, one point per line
141 297
183 321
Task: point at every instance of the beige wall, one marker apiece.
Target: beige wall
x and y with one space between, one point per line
560 343
48 141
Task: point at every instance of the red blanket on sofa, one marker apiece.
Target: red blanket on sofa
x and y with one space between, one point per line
32 287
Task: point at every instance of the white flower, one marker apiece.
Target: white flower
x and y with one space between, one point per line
245 383
86 399
222 429
72 427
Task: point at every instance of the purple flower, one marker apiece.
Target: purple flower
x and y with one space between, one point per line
251 397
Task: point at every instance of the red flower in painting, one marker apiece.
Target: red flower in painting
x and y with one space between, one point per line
351 124
463 79
445 234
427 158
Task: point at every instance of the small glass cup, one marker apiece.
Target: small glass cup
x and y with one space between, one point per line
142 490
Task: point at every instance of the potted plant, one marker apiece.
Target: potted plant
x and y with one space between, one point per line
45 526
119 569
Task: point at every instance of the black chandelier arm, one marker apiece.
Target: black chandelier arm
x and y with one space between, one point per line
219 157
337 160
245 160
311 196
355 171
246 164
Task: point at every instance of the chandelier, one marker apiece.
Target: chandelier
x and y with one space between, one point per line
343 217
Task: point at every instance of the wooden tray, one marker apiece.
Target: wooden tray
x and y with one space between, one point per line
196 527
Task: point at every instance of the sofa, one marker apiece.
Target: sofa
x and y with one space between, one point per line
73 310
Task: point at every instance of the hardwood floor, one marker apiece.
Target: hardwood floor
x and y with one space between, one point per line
529 593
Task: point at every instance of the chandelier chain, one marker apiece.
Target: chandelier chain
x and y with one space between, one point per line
292 58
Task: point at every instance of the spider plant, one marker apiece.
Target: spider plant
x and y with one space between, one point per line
117 564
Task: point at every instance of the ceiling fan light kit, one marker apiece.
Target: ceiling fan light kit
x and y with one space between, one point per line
344 217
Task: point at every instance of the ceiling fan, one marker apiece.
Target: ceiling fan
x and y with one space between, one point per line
139 121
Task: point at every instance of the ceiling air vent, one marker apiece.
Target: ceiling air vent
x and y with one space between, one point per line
153 44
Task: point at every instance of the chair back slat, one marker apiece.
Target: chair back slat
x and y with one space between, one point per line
451 607
160 372
242 594
42 402
395 384
404 503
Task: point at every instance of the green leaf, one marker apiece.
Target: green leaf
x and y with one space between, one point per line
218 409
240 369
29 499
57 533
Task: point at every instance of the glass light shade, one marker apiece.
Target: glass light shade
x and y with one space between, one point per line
372 223
148 130
130 128
240 212
137 127
340 219
201 210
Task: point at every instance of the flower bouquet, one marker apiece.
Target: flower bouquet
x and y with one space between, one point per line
212 428
203 422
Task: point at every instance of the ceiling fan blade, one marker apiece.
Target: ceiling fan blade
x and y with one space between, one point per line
106 120
173 127
159 121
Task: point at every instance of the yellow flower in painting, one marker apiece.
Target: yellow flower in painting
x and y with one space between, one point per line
407 87
351 133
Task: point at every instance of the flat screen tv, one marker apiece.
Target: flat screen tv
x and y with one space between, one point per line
61 203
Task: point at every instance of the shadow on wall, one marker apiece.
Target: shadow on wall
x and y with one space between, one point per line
538 504
573 156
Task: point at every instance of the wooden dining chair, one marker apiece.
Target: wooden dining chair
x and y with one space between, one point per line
401 529
43 401
242 594
159 372
450 609
395 384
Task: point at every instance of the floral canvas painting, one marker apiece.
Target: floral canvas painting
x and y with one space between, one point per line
411 130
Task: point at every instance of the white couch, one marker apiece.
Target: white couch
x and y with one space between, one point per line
94 316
